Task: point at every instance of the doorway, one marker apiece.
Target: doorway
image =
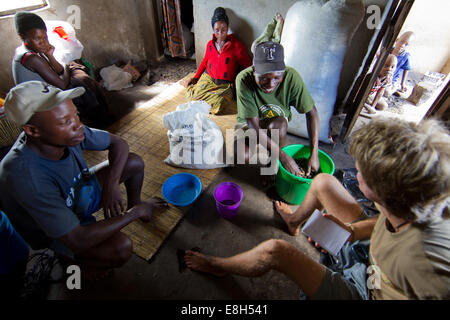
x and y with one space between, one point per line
177 21
430 64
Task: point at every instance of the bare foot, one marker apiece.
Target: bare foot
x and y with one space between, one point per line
288 217
280 18
199 262
149 206
370 109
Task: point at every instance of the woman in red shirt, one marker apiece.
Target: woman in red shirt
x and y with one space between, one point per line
225 56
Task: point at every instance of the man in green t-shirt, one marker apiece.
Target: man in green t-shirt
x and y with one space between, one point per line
265 93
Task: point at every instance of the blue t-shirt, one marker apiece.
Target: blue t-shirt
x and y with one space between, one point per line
37 194
403 63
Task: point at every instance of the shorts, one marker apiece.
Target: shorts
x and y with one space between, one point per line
350 284
335 287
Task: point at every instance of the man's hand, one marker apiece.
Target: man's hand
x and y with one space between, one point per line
289 163
340 223
313 163
111 201
148 206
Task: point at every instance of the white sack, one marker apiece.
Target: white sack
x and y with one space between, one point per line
114 78
196 142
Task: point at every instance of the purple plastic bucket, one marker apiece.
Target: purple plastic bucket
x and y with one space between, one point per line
228 197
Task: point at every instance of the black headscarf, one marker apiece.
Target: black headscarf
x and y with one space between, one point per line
219 15
26 21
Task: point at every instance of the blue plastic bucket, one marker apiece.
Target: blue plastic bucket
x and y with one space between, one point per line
182 189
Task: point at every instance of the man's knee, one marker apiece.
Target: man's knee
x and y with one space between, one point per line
123 249
274 250
323 181
135 163
278 129
279 123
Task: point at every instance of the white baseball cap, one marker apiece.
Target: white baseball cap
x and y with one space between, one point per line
27 98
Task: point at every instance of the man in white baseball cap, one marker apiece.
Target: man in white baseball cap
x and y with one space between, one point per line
24 100
47 190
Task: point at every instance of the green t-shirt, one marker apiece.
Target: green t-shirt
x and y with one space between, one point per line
253 102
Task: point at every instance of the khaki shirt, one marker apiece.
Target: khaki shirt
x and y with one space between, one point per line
413 263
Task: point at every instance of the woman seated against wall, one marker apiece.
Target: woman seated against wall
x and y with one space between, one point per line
225 56
34 60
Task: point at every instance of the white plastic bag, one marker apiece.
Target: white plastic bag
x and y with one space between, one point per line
62 36
196 142
114 78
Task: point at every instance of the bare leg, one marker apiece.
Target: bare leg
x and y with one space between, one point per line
326 192
276 127
280 124
270 255
118 248
369 108
132 176
108 254
382 104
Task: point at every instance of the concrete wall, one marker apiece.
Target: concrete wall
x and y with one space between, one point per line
249 18
429 21
110 31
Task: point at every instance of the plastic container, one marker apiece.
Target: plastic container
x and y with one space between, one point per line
292 189
228 197
182 189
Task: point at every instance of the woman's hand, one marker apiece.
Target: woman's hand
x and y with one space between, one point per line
187 83
50 50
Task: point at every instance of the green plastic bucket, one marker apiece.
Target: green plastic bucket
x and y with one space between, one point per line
292 189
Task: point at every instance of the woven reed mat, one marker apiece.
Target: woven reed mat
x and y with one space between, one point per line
146 135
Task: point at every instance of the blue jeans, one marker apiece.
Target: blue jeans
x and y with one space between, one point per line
346 275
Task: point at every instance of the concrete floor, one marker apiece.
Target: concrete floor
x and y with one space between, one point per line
202 227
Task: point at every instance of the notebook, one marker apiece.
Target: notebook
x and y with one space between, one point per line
327 233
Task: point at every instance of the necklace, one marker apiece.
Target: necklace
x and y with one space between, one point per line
391 228
401 224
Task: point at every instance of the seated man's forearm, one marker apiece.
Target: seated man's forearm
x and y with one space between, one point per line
117 156
312 122
86 237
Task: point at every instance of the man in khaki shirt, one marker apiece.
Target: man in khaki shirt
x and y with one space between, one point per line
405 169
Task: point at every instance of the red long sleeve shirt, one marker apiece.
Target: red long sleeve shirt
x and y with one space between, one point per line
226 64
